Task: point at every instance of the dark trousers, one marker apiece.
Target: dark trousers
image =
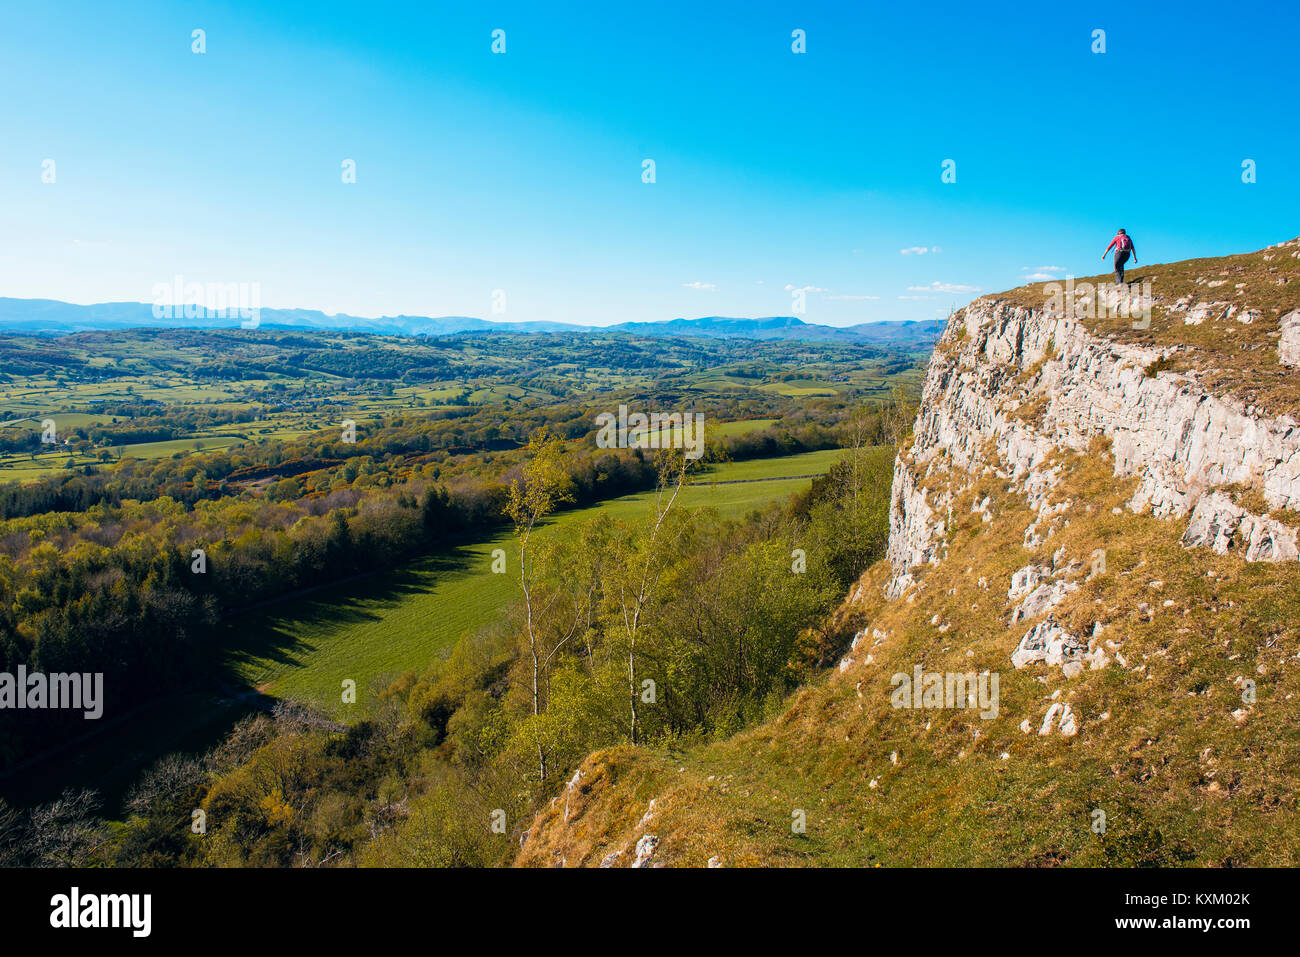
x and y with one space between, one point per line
1121 257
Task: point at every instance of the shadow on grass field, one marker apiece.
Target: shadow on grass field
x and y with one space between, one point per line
370 629
302 648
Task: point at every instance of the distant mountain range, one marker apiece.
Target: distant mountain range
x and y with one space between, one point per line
52 317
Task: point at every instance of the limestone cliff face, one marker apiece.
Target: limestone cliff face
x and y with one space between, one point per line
1010 386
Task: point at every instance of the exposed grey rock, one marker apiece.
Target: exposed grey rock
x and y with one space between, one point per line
645 850
1069 725
1180 440
568 791
914 532
649 814
1218 523
1288 347
1042 599
1204 310
1024 580
1049 643
1062 717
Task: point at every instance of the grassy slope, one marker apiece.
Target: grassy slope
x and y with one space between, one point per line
384 626
1178 777
1181 779
1231 357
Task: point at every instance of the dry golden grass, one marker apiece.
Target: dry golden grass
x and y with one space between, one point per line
1230 357
1180 779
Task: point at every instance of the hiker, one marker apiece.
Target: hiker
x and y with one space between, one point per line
1123 247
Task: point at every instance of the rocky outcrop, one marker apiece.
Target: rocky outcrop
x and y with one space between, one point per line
1009 387
645 850
1062 717
1049 643
1288 347
1043 598
915 535
1218 523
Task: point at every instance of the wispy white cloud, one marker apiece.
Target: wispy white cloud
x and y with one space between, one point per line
914 297
853 298
919 250
706 286
1039 273
790 288
948 287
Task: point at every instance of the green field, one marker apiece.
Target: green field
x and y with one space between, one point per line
806 463
24 468
802 388
381 627
712 430
387 624
741 427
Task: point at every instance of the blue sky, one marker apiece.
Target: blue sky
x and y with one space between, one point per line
522 171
